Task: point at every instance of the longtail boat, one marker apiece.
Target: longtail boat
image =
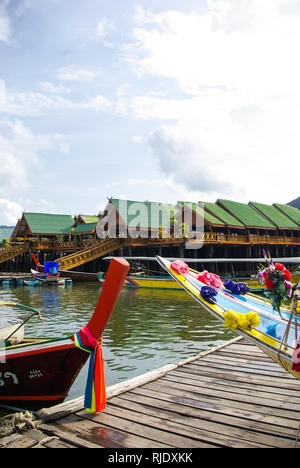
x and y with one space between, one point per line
152 282
38 373
274 331
167 282
73 275
143 279
45 277
50 273
148 282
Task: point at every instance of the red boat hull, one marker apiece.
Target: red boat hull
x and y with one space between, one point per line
35 376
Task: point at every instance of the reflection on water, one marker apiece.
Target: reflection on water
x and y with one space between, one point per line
147 330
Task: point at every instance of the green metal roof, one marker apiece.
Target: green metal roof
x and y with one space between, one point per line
222 214
205 214
290 211
275 215
247 215
144 214
6 232
89 218
84 228
44 223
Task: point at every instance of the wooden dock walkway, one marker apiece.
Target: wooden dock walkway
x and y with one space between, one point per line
232 396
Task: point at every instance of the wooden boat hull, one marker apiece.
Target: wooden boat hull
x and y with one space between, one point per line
152 282
45 277
295 278
148 282
28 381
78 275
267 336
38 373
164 282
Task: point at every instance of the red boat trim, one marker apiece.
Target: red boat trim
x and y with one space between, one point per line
9 354
33 397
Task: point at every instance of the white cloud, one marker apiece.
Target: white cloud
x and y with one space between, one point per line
10 212
48 87
5 24
20 155
234 130
98 103
137 139
104 27
75 73
34 103
23 6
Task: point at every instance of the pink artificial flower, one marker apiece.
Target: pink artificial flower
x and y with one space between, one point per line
210 279
288 286
180 267
217 282
204 277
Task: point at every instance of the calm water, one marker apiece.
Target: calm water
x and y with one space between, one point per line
147 330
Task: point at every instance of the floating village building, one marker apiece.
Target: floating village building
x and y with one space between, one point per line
198 230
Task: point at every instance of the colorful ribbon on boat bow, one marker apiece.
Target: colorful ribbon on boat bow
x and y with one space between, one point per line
236 288
95 392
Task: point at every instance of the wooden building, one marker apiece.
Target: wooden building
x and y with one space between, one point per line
228 229
42 226
132 219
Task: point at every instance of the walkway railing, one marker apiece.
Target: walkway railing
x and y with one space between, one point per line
11 252
86 255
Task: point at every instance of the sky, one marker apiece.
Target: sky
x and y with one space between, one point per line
158 100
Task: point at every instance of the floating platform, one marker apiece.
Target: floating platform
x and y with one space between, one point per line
231 396
23 279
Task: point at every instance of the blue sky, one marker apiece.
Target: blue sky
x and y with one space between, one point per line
147 100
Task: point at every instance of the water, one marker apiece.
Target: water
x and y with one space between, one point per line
148 328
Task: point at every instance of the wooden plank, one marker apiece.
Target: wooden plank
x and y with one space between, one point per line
242 376
273 392
203 431
219 412
229 395
153 434
55 443
240 419
199 400
21 443
209 351
7 440
106 433
72 440
240 355
243 361
238 368
256 394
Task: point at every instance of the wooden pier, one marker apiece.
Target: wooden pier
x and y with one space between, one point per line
25 279
231 396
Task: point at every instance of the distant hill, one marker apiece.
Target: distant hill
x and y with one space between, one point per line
295 203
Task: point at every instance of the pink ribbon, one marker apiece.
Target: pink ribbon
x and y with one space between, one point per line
180 267
210 279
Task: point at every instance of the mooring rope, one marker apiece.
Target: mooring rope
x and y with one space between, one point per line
16 422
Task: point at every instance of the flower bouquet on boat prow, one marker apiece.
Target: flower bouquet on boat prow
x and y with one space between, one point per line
276 279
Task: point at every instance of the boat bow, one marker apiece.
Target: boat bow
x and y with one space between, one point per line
275 333
38 373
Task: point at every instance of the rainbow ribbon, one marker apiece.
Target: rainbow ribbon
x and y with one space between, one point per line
95 391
